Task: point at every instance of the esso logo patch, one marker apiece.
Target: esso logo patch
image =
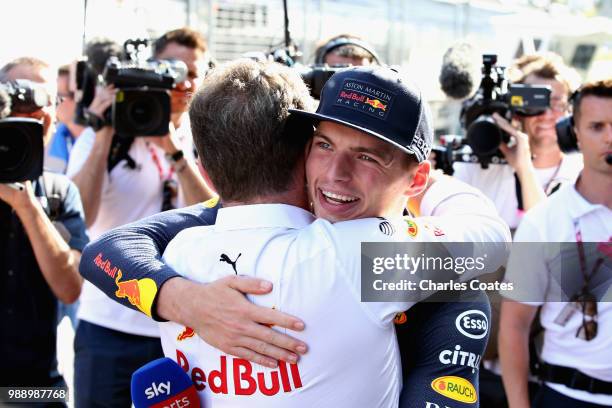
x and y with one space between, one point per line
473 324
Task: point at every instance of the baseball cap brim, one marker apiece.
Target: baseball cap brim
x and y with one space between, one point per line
317 117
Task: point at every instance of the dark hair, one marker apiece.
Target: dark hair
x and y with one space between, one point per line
347 51
241 127
99 50
185 36
602 89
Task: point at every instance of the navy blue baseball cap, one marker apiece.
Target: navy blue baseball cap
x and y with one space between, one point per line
379 101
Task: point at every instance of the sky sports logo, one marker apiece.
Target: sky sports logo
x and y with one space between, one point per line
365 98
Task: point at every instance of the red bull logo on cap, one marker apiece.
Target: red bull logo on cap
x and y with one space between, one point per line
139 292
366 98
375 103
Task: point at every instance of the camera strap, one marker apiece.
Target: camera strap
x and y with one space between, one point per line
50 196
120 146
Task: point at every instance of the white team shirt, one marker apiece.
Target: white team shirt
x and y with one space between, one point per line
353 358
127 196
553 221
498 182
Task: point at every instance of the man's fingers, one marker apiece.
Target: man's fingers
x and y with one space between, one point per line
248 284
253 357
504 124
274 317
268 350
276 338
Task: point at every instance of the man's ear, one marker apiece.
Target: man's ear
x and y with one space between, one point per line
419 179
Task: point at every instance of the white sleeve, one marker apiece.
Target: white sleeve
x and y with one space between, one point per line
463 171
527 270
80 151
456 212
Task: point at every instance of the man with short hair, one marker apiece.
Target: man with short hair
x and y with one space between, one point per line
576 368
154 175
58 152
42 234
345 49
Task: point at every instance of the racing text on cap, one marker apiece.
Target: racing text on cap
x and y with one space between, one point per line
363 97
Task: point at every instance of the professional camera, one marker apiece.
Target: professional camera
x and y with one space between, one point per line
315 76
483 136
142 105
21 139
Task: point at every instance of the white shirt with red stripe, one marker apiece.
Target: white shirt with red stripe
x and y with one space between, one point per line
315 267
557 220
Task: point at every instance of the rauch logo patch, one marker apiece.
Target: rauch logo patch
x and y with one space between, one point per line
455 388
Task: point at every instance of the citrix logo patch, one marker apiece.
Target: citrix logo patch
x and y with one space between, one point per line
459 357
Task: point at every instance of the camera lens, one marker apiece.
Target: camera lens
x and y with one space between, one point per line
14 147
483 135
143 114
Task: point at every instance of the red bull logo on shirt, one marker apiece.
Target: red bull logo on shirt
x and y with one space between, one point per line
139 292
187 333
243 381
455 388
106 266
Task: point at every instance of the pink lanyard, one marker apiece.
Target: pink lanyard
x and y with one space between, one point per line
582 256
159 165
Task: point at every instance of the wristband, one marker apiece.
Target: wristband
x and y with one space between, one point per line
175 157
93 120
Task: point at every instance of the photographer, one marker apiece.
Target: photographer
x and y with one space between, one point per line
148 179
58 152
576 369
42 234
345 49
537 167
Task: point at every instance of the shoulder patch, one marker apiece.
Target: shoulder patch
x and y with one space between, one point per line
412 227
210 203
385 226
437 231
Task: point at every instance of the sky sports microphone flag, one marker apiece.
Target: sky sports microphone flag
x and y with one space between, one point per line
163 384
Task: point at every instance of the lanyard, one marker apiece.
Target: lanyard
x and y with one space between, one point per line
157 162
582 256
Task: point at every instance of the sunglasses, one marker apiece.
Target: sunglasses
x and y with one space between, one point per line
588 304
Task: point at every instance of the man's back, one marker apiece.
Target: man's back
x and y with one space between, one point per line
314 275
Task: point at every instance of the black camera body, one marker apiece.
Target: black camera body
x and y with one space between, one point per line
315 77
142 106
483 136
21 149
21 139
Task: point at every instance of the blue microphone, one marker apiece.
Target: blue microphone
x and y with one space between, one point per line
163 384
